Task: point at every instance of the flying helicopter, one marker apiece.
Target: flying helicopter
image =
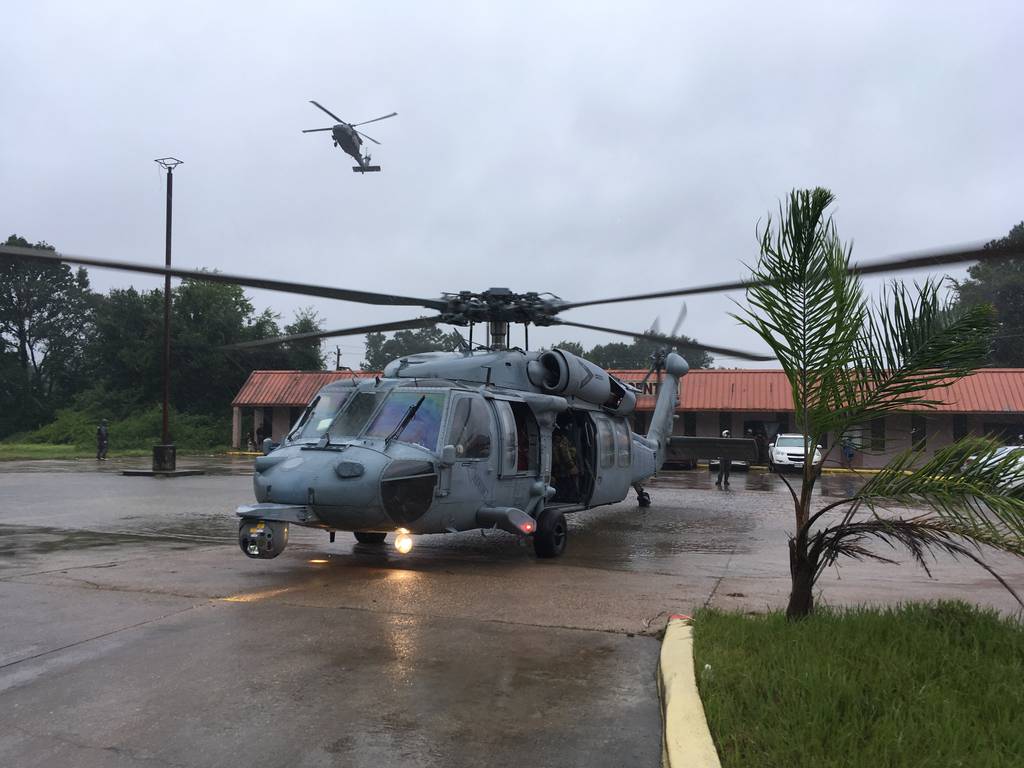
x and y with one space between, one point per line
488 437
348 138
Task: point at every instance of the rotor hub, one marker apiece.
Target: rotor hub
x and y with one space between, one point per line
500 305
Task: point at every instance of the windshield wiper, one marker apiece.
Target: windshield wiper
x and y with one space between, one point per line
303 418
410 412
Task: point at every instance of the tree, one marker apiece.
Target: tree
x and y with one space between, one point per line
381 350
1001 284
205 317
571 346
621 356
45 320
849 361
305 355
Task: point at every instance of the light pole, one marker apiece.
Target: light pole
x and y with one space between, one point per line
164 456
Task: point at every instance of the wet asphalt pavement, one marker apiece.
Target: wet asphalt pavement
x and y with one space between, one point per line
134 632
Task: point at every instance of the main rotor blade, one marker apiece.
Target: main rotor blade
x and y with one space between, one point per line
366 122
325 109
679 320
895 264
343 294
671 340
368 137
400 325
314 130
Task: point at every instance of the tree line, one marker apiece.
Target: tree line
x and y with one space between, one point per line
66 346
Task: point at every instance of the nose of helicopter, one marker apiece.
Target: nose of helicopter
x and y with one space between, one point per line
320 478
359 487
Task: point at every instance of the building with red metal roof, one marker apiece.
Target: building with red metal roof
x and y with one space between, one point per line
991 401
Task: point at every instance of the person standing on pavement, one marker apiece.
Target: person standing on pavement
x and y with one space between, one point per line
847 446
724 465
102 441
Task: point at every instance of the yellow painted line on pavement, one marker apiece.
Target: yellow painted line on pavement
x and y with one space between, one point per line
687 740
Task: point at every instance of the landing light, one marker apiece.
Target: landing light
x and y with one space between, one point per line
403 542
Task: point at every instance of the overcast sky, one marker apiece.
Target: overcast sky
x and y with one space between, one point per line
587 149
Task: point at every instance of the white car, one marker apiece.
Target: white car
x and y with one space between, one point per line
1003 453
787 452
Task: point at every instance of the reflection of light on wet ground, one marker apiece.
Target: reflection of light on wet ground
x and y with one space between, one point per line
253 597
405 583
403 635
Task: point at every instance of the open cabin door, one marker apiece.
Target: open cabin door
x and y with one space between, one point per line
612 459
519 465
470 482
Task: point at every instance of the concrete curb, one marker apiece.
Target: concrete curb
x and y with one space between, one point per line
686 740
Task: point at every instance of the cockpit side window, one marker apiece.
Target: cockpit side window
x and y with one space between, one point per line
470 429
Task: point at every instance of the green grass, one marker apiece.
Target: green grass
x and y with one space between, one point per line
923 685
72 434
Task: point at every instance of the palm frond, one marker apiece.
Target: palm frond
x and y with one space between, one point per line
913 343
966 482
921 536
806 307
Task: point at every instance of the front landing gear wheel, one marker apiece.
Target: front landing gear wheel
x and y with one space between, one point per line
262 539
370 537
643 499
552 534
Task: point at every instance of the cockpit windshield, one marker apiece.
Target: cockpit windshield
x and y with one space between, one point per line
357 411
319 416
423 424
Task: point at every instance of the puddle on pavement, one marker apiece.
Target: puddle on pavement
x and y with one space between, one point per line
211 465
757 480
21 541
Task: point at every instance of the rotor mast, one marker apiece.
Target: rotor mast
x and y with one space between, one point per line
499 333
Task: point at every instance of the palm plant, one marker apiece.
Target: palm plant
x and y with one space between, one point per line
849 361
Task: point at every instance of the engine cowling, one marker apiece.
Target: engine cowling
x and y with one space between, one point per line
558 372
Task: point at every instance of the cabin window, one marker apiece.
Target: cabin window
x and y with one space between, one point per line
509 441
605 442
421 429
623 444
527 438
470 430
520 443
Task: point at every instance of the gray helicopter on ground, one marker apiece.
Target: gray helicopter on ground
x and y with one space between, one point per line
489 437
348 138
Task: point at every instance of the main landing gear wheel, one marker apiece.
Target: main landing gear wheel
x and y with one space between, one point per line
643 499
370 537
262 539
552 534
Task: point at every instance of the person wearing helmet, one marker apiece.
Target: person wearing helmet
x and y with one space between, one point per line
724 465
